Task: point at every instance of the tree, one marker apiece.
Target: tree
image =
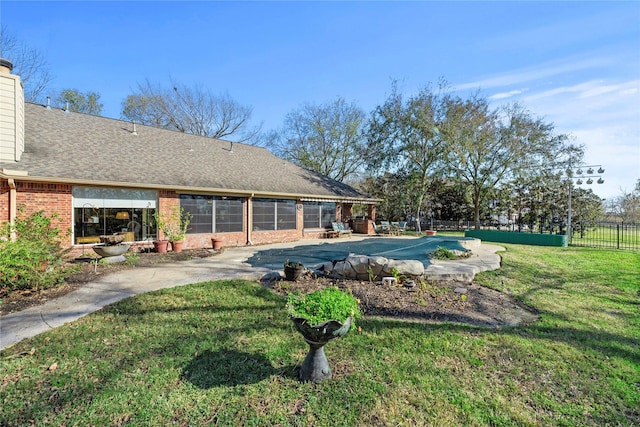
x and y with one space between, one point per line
28 63
194 110
627 205
487 148
80 102
324 138
409 138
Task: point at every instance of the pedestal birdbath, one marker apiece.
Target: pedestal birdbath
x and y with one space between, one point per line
321 316
315 367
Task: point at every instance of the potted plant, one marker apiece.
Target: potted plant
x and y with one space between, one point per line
293 270
216 243
320 317
174 227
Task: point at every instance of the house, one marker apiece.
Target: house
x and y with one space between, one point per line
104 176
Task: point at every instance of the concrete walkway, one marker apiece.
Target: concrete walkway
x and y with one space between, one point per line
231 264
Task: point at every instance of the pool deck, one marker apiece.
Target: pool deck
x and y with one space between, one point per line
249 263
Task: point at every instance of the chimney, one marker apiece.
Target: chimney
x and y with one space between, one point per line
11 114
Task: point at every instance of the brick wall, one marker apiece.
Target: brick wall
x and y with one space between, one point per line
4 201
57 199
49 198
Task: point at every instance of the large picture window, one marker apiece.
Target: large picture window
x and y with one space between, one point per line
319 214
213 214
102 211
274 214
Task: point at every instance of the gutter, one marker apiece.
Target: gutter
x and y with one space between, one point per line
24 176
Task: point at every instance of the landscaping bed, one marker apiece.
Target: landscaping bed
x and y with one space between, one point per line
427 301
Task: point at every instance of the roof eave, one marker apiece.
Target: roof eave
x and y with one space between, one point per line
19 175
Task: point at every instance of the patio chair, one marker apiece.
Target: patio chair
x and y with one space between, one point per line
384 227
395 228
339 228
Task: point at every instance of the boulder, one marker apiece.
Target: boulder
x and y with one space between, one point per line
410 268
360 266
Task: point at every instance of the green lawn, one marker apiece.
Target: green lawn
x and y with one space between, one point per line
224 353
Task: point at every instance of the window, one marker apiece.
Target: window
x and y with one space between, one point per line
213 214
101 211
274 214
319 214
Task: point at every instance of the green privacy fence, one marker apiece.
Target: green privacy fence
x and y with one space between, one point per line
536 239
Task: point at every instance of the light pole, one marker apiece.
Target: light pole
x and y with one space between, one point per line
584 174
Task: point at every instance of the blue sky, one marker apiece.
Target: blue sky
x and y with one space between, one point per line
576 64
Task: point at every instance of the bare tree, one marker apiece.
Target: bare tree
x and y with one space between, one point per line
324 138
194 110
627 205
28 63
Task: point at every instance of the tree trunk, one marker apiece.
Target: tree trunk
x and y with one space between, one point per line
476 208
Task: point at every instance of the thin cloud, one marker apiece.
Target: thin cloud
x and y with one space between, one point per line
505 95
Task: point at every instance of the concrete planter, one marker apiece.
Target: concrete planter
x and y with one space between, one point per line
315 367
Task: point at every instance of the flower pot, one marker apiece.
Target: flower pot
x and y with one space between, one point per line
177 246
161 246
315 367
216 243
293 271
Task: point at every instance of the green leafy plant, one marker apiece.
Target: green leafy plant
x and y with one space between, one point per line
371 274
395 273
293 264
132 258
175 224
34 260
442 254
326 304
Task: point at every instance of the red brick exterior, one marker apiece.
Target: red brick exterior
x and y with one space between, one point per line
57 199
31 197
4 201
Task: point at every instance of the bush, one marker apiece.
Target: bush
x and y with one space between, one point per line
442 253
34 259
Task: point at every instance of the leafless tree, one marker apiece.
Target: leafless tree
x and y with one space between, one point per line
324 138
194 110
28 63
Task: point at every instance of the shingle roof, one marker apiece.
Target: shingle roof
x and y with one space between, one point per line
84 148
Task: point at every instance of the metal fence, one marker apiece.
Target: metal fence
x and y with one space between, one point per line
616 235
607 235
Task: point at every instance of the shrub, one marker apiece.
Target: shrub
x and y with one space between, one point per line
323 305
442 253
34 259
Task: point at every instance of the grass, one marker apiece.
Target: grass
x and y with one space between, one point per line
225 353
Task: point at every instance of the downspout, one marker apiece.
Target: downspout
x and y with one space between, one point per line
13 211
249 219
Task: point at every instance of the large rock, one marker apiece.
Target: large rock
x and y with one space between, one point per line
359 263
361 267
344 270
410 268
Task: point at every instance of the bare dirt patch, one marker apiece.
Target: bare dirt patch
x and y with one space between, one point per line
427 301
444 301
